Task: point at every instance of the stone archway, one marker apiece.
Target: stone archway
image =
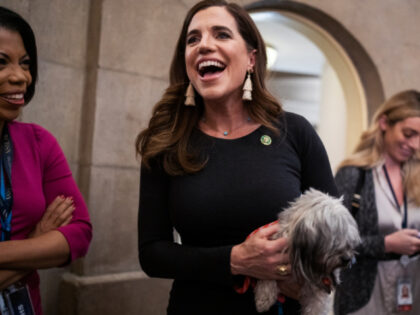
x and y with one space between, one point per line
357 73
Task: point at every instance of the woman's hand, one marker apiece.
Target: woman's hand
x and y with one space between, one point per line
8 277
259 255
58 213
404 242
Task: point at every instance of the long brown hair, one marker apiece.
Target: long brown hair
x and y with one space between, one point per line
172 123
370 149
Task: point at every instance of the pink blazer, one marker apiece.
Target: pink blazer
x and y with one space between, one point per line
40 173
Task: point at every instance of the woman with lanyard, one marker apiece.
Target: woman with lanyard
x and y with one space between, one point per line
44 220
381 184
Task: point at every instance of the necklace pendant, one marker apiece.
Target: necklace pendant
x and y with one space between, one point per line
225 133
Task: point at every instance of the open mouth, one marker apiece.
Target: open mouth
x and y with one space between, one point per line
210 67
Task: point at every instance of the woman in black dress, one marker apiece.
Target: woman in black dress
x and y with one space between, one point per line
220 158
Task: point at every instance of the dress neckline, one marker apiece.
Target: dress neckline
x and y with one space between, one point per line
223 139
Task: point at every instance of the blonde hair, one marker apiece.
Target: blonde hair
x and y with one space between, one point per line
370 149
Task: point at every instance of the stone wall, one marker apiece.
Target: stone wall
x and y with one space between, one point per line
388 30
103 65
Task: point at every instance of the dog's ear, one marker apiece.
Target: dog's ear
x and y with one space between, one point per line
304 246
310 252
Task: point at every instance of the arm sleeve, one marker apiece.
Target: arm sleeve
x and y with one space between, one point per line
373 245
316 170
58 180
159 255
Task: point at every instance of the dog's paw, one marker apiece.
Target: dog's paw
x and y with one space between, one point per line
266 293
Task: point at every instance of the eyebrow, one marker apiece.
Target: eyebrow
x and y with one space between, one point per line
8 57
195 31
222 28
410 130
4 55
214 28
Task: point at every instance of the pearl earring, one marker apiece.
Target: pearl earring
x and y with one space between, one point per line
189 96
247 96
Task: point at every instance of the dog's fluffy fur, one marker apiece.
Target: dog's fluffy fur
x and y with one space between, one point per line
322 239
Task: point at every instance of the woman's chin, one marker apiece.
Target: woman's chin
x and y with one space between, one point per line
218 95
402 158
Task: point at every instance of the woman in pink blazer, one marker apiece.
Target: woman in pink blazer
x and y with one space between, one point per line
44 220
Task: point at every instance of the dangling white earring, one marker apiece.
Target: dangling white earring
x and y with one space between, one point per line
189 96
247 96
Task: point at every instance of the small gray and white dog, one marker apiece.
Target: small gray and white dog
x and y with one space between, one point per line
322 239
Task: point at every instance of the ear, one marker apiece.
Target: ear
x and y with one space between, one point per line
251 61
304 245
383 122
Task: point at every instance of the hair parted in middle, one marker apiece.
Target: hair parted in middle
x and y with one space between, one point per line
172 122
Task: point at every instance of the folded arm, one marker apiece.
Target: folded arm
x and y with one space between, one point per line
48 250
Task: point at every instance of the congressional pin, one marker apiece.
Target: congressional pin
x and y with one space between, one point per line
266 140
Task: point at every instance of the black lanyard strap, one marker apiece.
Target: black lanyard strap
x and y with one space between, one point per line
357 195
6 198
404 222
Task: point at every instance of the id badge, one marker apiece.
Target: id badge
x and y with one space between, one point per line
18 300
404 295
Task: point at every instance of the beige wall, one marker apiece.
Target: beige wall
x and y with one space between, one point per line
105 63
388 30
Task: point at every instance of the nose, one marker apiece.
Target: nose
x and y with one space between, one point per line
206 44
18 76
414 142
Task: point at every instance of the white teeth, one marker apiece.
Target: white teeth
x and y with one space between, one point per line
210 63
15 96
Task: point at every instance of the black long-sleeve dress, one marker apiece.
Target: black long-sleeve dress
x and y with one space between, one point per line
243 186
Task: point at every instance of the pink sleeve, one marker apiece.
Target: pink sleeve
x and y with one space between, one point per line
58 180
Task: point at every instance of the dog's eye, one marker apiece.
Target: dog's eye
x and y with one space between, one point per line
345 261
348 262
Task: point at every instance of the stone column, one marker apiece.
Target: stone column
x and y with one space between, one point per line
128 56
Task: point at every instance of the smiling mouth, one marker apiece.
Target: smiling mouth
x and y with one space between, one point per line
210 67
14 98
406 152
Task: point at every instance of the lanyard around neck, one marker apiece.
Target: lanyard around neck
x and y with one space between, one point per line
6 198
404 222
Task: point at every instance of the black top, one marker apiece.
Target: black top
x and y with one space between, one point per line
244 185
